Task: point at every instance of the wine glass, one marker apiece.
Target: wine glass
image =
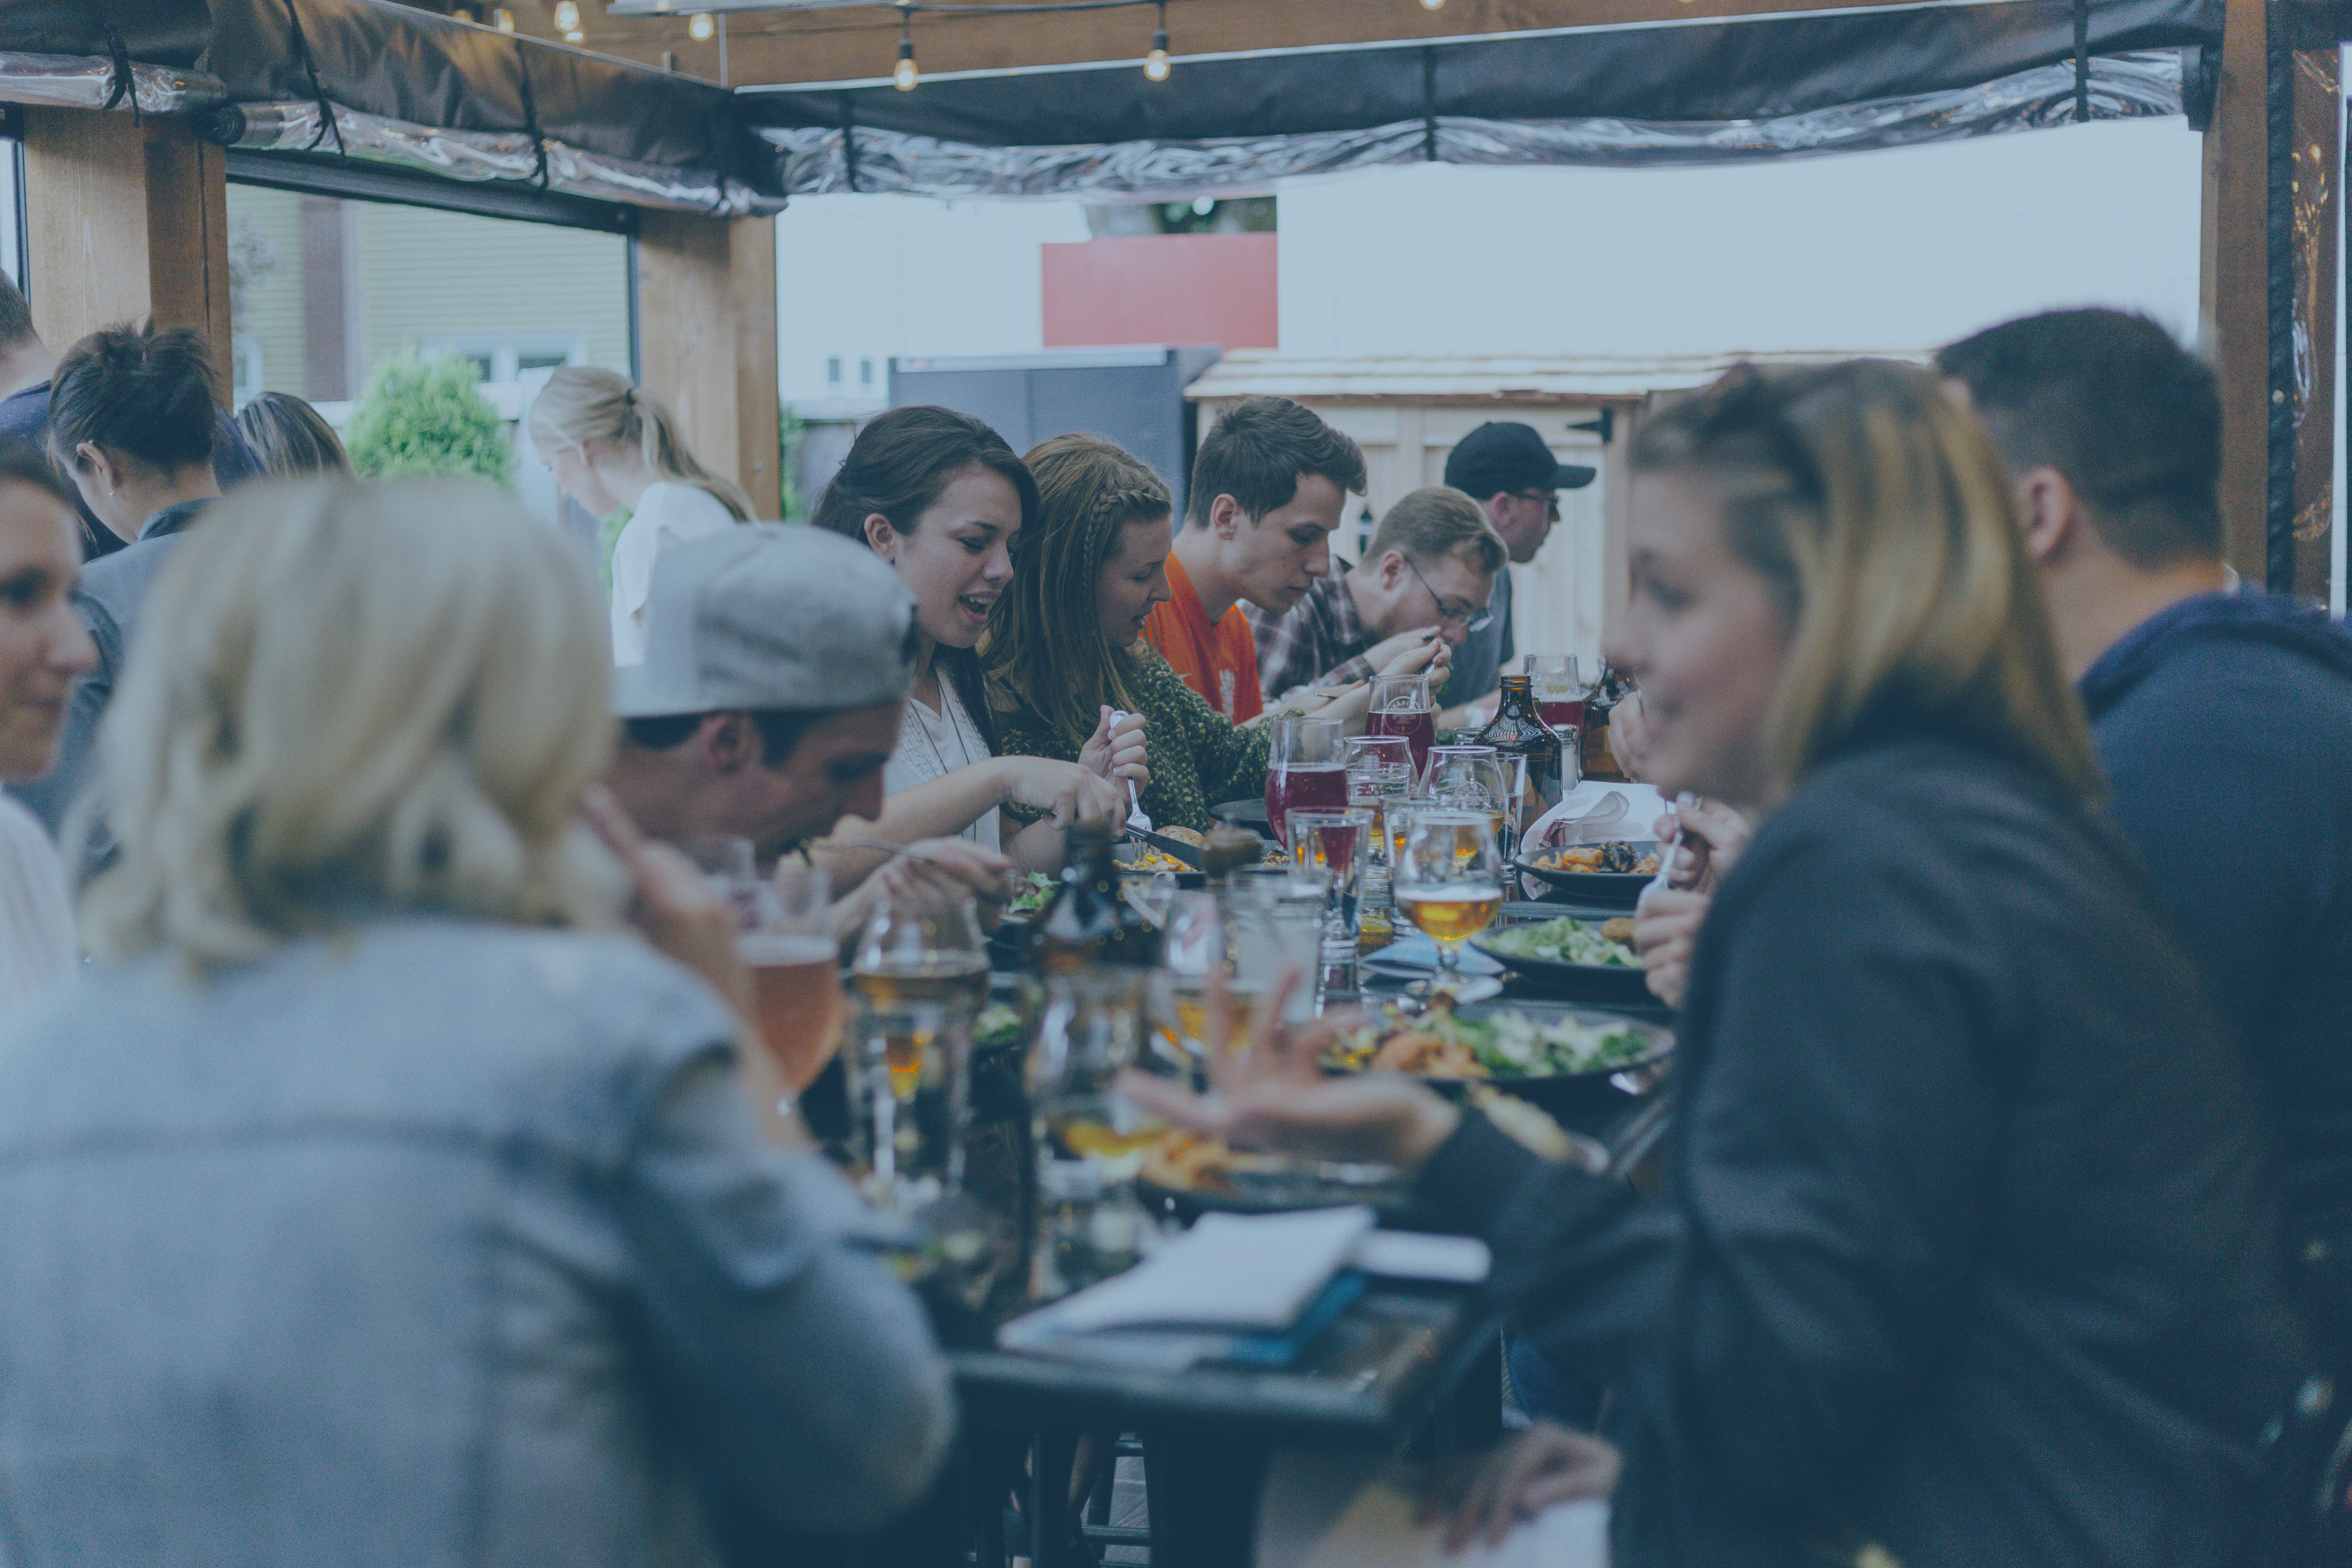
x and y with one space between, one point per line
921 969
1476 777
1306 771
1402 706
1449 883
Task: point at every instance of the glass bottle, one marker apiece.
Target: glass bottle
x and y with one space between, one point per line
1088 921
1518 730
1599 762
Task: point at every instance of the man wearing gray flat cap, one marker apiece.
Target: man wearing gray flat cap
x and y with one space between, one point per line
777 659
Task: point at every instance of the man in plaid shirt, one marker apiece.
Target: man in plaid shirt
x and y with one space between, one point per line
1422 587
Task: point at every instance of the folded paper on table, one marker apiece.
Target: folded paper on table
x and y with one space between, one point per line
1592 802
1245 1272
1345 1510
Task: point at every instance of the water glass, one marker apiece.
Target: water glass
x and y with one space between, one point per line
1198 949
1091 1140
1275 916
921 970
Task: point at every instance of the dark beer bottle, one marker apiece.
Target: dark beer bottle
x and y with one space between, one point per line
1088 920
1518 730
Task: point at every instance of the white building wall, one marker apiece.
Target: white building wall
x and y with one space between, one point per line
859 278
1894 250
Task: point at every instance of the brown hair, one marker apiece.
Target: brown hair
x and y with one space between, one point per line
291 440
586 403
901 462
1431 525
1875 507
1258 452
1045 646
143 392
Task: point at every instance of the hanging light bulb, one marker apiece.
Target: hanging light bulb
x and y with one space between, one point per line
905 76
567 16
575 37
1155 64
504 19
1432 5
701 28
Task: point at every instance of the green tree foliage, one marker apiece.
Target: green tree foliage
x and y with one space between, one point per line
420 418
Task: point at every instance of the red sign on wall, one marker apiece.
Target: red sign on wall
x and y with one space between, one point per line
1162 289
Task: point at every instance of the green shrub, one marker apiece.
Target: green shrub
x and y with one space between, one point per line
429 419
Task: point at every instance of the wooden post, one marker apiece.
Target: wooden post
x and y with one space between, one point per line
2315 193
2235 291
127 219
706 339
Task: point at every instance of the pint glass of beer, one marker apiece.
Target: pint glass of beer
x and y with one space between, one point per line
797 994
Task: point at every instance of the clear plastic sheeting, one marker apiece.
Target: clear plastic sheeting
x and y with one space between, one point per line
2122 86
78 81
497 155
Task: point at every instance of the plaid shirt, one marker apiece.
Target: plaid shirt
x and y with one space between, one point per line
1320 641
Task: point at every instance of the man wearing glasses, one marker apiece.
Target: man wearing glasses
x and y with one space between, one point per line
1421 589
1515 478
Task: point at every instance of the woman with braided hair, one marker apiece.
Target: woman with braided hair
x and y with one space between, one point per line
1065 649
612 444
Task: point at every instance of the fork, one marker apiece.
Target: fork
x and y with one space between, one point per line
1138 819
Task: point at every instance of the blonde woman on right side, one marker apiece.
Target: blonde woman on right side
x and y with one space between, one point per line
612 444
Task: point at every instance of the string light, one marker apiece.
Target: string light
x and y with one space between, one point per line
906 76
1432 5
700 28
1155 64
567 16
504 19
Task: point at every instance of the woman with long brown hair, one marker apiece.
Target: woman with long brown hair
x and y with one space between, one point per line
1065 650
1968 1249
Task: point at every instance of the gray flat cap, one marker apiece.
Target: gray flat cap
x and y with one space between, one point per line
770 614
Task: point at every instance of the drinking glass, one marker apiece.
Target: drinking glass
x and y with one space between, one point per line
1090 1139
1306 771
1337 844
1402 705
795 965
1379 769
923 971
1559 689
1473 777
1275 916
1198 949
1449 883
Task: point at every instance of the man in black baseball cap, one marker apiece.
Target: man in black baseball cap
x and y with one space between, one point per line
1512 475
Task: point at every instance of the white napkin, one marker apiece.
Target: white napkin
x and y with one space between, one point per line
1635 819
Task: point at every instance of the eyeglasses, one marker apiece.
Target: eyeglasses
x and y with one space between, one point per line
1471 618
1551 500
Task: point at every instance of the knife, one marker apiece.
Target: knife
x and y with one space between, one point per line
1188 853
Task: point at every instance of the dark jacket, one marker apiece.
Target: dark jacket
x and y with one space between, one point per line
2225 726
1970 1249
112 594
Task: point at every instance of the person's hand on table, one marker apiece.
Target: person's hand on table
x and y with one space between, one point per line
944 868
1530 1470
1115 751
1273 1094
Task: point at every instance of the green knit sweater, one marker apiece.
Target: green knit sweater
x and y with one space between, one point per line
1198 758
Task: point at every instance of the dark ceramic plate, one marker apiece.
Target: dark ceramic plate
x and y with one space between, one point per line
1573 1098
1612 889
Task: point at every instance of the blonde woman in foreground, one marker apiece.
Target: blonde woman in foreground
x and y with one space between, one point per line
384 1200
1967 1250
612 444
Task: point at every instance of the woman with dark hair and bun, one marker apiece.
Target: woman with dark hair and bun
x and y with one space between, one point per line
940 496
132 417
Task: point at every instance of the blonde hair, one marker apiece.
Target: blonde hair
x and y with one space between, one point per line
584 402
1872 504
352 698
1045 646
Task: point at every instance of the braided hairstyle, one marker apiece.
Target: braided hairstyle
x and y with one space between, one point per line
1045 647
587 402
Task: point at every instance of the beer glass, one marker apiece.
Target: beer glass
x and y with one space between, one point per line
1449 883
1306 770
1402 706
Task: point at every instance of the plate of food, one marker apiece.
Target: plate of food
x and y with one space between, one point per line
1188 1175
1611 873
1592 960
1564 1061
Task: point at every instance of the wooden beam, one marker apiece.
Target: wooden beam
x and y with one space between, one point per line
707 327
858 42
2315 194
127 219
2235 287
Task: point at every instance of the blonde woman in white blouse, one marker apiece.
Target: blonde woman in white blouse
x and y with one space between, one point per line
611 444
43 648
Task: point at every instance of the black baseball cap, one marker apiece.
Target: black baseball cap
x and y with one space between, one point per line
1499 456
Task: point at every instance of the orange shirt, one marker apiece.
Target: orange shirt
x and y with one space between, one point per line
1220 662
